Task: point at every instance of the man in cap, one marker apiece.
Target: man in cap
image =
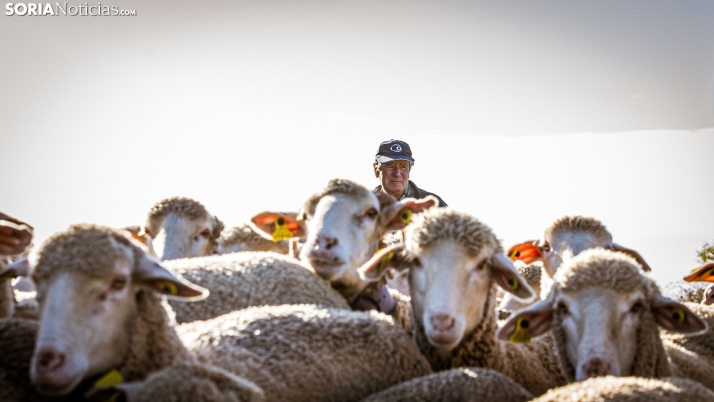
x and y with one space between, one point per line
392 166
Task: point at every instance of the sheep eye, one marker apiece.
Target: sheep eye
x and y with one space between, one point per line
205 233
562 308
636 308
481 265
371 213
545 247
118 284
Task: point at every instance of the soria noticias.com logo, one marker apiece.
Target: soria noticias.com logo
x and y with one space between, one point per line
56 9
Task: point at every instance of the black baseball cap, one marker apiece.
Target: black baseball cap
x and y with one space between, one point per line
394 150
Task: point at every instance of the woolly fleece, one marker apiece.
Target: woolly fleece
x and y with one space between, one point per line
307 353
456 385
630 389
247 279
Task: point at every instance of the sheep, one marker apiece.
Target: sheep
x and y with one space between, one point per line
181 227
569 236
455 265
629 389
245 279
565 238
603 313
101 310
246 238
308 353
13 302
455 385
344 224
708 296
15 239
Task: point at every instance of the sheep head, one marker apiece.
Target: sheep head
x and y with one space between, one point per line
181 227
89 280
343 225
454 262
605 313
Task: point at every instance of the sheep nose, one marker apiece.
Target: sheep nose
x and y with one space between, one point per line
596 367
442 322
50 360
326 242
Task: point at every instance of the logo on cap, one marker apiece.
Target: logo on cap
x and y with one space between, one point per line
396 148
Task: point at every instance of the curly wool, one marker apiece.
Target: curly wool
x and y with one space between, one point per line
183 206
579 224
533 365
247 279
308 353
607 269
196 383
445 224
245 238
630 389
455 385
337 186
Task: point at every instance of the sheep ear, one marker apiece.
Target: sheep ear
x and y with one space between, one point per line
676 317
399 215
527 323
705 273
526 252
389 257
508 278
634 254
19 232
21 267
278 226
159 279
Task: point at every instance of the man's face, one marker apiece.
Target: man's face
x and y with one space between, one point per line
394 177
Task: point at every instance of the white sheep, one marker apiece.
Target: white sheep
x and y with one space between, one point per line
629 389
564 239
181 227
100 312
245 279
455 266
604 312
344 224
247 238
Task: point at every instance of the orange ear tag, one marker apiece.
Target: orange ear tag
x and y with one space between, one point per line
281 231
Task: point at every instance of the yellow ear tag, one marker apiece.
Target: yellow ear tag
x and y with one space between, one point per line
385 261
513 283
7 275
406 215
112 378
281 230
522 334
169 288
678 315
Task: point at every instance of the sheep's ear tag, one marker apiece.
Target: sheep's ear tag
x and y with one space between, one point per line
384 263
678 315
405 216
281 230
522 334
705 273
513 283
110 379
166 287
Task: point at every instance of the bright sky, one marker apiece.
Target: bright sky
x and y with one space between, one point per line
517 112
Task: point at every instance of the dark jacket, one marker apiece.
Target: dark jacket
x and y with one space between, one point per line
415 192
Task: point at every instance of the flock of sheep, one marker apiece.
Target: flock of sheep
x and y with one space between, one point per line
356 297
